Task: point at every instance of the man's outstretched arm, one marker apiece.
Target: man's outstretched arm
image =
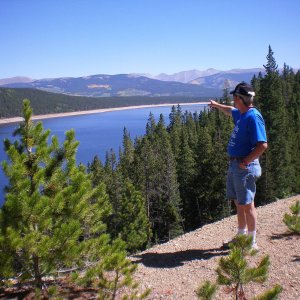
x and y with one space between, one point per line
226 109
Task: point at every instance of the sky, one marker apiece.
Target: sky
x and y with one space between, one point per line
74 38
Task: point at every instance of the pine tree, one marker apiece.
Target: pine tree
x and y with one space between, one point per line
155 175
151 125
234 272
256 82
110 162
126 156
220 207
226 98
112 275
96 170
271 67
287 83
191 130
145 166
170 221
207 290
276 163
52 216
174 129
129 219
186 170
293 221
132 223
293 108
204 177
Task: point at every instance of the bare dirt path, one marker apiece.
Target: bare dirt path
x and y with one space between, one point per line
174 270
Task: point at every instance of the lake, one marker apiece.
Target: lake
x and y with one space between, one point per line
97 133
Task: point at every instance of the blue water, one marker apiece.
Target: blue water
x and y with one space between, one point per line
97 133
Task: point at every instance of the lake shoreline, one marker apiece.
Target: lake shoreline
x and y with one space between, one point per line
95 111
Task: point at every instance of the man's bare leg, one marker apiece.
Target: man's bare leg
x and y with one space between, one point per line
247 217
241 218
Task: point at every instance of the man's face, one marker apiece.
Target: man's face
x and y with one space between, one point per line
236 100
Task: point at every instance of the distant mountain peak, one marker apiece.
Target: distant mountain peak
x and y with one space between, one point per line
229 78
16 79
185 76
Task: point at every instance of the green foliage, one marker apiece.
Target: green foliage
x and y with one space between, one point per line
293 221
271 67
127 156
132 224
129 219
206 291
52 217
271 294
234 271
96 171
154 174
186 170
112 276
277 96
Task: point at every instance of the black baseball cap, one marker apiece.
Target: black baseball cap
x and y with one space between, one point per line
243 89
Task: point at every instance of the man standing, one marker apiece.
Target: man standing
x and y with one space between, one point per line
247 142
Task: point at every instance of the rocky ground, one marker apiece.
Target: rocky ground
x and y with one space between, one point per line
174 270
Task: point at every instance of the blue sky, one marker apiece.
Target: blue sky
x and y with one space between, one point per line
60 38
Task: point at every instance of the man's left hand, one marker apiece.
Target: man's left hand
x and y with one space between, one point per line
243 165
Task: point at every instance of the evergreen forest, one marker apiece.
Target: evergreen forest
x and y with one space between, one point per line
165 183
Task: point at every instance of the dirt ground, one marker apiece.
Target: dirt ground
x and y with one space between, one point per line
175 269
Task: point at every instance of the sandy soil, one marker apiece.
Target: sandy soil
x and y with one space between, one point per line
95 111
174 270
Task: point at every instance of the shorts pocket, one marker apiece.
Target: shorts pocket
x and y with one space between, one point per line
254 170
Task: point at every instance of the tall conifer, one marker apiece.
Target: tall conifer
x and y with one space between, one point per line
277 160
127 156
186 178
52 215
174 129
170 222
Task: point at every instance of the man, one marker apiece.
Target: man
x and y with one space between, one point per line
247 142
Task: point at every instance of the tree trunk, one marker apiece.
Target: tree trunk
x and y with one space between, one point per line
37 274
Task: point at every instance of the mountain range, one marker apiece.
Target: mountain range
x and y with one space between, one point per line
193 83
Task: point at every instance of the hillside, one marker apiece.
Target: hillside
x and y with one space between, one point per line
51 103
175 269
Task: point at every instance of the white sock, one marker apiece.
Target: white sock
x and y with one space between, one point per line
253 235
242 231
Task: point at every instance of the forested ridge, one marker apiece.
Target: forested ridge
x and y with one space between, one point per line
165 183
43 102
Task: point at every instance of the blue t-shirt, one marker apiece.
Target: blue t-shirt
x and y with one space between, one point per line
249 129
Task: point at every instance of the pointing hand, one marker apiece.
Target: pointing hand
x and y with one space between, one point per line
213 104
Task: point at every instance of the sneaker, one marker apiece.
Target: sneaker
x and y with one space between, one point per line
254 247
